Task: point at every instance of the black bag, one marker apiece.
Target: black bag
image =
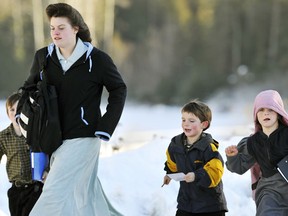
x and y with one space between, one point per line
282 167
39 117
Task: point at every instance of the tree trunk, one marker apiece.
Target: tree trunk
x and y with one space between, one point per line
38 24
274 33
18 29
109 25
91 17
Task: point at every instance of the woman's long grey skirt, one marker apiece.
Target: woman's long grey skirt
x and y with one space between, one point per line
72 186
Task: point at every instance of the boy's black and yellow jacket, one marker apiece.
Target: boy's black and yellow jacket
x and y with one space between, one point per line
205 194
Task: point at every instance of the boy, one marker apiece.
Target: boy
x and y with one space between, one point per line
195 154
24 192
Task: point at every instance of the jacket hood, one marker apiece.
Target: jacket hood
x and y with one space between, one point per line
89 45
88 53
270 99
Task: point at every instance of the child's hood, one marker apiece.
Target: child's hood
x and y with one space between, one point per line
270 99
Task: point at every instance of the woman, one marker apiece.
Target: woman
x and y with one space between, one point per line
79 72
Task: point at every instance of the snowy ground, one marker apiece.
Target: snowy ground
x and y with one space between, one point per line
132 173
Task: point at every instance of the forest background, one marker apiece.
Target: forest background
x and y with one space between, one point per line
167 51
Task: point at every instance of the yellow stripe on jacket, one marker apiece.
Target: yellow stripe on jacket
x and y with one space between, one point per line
214 169
171 164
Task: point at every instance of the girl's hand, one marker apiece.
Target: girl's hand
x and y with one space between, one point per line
189 177
231 150
166 180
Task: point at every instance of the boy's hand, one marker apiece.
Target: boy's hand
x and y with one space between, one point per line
189 177
166 180
231 150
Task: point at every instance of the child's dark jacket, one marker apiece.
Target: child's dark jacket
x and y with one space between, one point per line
268 151
205 194
271 195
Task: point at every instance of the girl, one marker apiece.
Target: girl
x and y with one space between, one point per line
265 148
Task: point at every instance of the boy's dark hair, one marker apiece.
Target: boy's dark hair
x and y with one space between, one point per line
199 109
11 100
74 17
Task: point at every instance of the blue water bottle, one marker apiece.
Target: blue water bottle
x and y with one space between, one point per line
39 162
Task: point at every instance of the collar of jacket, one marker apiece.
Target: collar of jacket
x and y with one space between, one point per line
205 140
90 47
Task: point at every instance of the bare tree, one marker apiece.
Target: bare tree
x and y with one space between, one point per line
38 24
18 28
109 25
90 17
274 32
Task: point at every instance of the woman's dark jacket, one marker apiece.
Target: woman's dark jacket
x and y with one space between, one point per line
80 90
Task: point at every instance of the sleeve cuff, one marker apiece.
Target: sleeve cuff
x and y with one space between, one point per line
102 135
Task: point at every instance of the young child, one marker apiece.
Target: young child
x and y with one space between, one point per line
195 154
262 151
24 192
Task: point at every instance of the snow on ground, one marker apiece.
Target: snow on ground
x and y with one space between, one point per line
131 164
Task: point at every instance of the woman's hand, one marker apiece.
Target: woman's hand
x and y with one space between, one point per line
44 176
231 150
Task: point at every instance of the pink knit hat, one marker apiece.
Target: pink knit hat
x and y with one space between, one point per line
270 99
